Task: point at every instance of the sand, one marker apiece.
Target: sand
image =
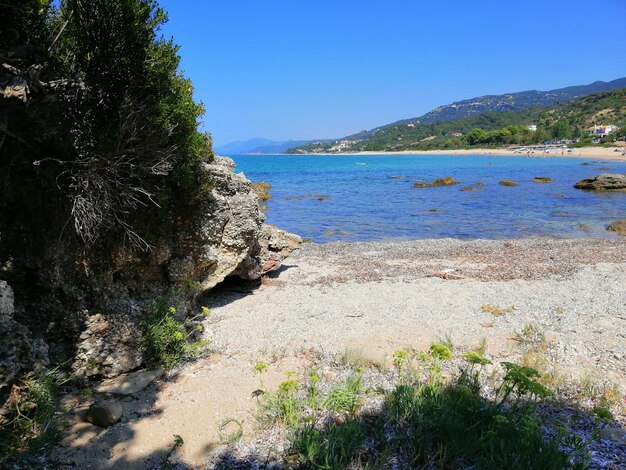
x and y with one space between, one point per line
604 153
374 298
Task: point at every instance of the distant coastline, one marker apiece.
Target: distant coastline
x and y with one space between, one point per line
605 153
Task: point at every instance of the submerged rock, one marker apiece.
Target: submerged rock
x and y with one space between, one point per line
543 179
445 181
618 226
507 183
603 182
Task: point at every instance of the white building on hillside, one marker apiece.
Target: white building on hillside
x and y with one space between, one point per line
605 130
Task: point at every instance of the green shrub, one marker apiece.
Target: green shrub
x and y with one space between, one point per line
428 425
30 423
166 340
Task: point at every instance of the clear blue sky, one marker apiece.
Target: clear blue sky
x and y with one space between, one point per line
285 69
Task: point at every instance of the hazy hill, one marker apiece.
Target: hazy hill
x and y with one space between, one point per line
260 145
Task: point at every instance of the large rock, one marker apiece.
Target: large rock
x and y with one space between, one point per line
273 246
604 182
16 345
109 346
224 236
6 299
228 236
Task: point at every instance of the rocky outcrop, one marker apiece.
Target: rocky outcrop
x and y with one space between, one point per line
225 236
229 236
109 346
603 182
273 246
16 344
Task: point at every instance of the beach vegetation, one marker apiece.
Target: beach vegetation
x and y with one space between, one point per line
425 423
167 340
29 421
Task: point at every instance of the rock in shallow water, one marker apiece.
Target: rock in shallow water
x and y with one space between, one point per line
604 182
618 226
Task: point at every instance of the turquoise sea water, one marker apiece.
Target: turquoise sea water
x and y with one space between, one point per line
358 198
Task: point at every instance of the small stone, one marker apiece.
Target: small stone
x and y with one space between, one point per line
104 415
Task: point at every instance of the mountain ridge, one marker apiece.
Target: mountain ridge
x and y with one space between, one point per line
489 103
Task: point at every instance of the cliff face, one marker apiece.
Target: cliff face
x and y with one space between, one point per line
98 328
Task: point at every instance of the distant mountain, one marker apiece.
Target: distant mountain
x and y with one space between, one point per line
534 124
460 110
260 146
511 102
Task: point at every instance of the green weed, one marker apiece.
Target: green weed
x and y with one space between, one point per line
167 341
30 422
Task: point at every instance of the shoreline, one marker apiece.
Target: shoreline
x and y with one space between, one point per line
604 153
368 300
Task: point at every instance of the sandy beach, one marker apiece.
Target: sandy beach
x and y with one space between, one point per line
604 153
375 298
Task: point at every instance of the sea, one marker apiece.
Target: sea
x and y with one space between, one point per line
371 197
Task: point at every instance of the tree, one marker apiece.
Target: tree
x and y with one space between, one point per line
476 136
561 129
120 135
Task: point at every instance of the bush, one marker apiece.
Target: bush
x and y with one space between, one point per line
167 341
425 424
29 421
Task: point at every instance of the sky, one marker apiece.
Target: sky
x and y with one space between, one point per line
293 69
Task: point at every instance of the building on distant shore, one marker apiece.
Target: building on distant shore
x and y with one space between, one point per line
603 131
457 134
532 127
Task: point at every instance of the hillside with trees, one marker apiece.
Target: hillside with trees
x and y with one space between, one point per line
565 120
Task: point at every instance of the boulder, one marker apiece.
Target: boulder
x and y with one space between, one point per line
273 246
109 346
603 182
225 230
618 226
16 344
445 181
6 299
104 414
